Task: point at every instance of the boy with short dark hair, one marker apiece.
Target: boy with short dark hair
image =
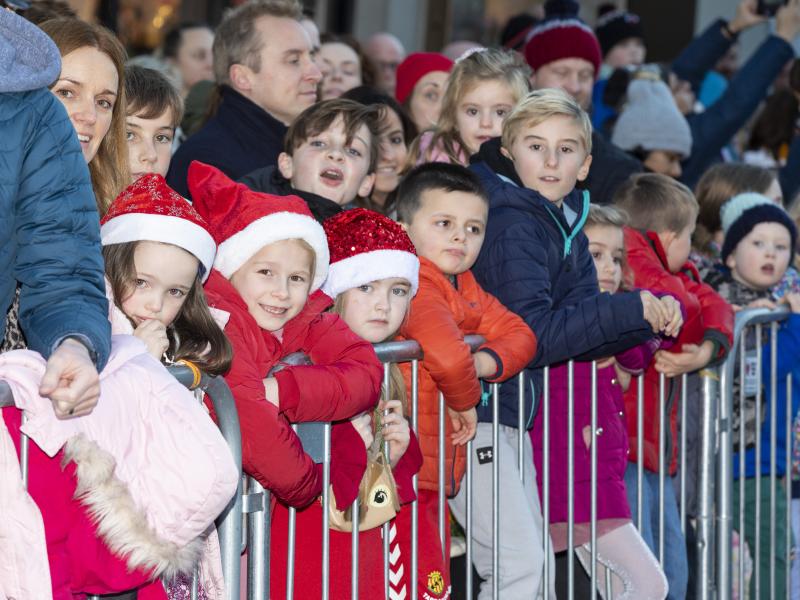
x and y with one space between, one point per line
444 209
329 157
154 111
536 260
662 215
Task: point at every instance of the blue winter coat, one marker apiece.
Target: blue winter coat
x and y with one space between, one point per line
49 229
714 128
539 266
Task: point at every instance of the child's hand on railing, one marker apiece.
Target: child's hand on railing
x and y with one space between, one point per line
485 364
692 358
154 335
395 430
654 311
760 303
363 425
673 314
793 300
465 424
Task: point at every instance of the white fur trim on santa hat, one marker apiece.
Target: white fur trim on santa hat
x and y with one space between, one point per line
371 266
136 227
276 227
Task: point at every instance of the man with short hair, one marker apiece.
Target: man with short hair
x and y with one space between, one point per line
564 53
266 76
386 53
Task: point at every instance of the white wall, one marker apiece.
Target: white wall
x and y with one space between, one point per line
407 19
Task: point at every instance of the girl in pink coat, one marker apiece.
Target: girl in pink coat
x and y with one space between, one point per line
635 571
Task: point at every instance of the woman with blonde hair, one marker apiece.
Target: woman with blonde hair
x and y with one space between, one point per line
90 86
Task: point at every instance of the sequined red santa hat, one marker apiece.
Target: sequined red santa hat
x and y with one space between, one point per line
367 246
243 221
150 210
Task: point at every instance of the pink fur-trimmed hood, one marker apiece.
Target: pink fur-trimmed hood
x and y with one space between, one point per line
151 466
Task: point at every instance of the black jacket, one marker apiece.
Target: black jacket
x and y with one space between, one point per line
610 168
270 181
239 139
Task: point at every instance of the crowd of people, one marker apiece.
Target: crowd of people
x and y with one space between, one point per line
256 190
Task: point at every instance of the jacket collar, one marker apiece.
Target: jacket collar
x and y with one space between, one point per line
247 119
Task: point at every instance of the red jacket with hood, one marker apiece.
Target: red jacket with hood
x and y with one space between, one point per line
344 381
707 317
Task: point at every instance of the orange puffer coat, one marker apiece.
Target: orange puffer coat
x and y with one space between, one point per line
442 313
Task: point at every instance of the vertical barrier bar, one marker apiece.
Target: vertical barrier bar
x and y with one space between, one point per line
759 399
412 577
385 527
773 452
546 476
441 473
521 425
742 440
595 434
662 464
290 544
354 551
788 491
682 451
468 531
639 449
257 510
195 584
326 499
495 492
570 480
705 500
23 453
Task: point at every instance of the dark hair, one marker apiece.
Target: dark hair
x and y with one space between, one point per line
366 95
367 70
794 76
516 30
174 37
718 185
655 202
150 94
44 10
775 124
196 336
320 116
434 176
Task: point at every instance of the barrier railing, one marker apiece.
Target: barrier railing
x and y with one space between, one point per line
745 358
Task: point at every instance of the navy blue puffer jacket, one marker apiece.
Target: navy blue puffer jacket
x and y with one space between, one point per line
539 266
49 228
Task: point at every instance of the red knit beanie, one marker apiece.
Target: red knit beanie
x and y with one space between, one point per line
562 35
415 67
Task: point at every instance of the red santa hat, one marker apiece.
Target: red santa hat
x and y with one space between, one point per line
367 246
150 210
243 221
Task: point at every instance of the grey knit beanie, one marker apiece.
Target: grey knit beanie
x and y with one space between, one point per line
651 120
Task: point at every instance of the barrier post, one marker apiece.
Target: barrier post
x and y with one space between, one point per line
705 517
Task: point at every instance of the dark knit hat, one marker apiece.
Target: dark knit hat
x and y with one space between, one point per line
515 33
562 34
742 213
616 26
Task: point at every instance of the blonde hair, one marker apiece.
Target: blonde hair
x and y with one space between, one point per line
487 64
109 168
540 105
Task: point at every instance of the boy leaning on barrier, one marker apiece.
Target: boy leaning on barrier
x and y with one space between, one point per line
536 260
443 208
756 252
662 215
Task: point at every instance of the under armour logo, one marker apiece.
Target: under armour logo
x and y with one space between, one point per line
484 455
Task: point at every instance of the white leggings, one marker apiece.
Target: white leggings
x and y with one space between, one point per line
635 572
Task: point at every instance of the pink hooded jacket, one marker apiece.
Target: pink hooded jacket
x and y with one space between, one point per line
151 467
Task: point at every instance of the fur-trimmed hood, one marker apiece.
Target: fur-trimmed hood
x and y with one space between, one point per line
151 466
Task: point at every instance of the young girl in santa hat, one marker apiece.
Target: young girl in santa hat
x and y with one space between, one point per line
373 276
271 260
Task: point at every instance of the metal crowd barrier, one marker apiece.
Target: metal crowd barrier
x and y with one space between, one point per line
752 320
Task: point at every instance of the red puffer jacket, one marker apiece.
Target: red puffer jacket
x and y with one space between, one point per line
441 315
344 381
707 317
